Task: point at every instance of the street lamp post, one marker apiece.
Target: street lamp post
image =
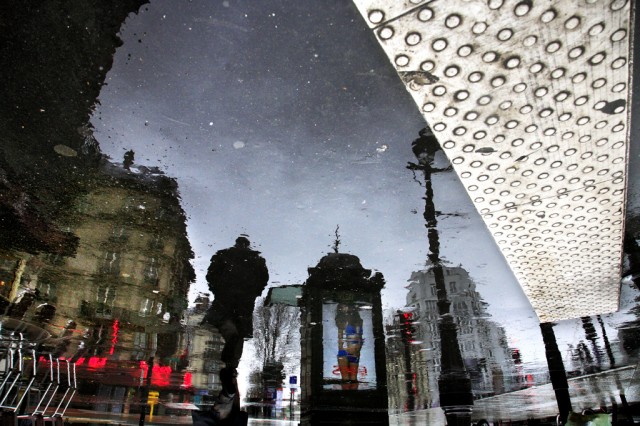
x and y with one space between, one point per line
456 398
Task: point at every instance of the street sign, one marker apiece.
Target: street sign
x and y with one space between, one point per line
293 380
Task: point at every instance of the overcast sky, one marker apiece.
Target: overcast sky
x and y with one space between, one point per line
282 120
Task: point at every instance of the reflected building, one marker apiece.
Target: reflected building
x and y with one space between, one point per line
203 347
119 301
491 365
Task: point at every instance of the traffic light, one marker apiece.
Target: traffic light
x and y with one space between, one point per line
515 355
407 327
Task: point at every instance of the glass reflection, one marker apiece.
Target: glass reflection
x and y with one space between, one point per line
103 262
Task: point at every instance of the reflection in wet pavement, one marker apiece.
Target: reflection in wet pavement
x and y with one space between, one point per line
386 302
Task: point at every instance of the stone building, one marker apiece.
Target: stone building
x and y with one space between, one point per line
119 300
483 345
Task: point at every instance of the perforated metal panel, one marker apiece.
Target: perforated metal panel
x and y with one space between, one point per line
529 100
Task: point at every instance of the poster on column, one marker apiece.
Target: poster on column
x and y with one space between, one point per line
348 346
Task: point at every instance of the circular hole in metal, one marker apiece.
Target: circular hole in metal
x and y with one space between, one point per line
481 134
597 58
596 29
376 16
531 128
558 73
584 138
602 142
439 127
576 52
619 87
512 62
617 4
425 14
465 50
450 112
439 90
505 105
567 135
545 112
475 76
499 138
479 27
579 77
548 16
522 8
549 131
386 33
598 83
541 91
599 105
468 148
564 116
619 35
439 44
428 107
453 20
428 65
484 100
402 60
520 87
471 115
601 124
572 23
505 34
461 95
449 144
413 38
452 71
491 120
529 41
553 46
619 63
459 131
617 128
526 109
490 56
511 124
498 81
476 164
536 68
583 120
581 100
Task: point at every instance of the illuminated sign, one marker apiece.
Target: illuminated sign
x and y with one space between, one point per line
348 354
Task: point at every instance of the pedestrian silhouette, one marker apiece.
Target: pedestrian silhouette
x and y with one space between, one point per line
236 277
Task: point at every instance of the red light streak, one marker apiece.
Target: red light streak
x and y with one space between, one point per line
114 338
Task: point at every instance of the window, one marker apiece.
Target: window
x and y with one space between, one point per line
110 263
105 298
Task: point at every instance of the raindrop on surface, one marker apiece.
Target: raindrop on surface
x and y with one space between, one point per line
238 144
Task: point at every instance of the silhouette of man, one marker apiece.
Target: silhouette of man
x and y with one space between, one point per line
236 277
